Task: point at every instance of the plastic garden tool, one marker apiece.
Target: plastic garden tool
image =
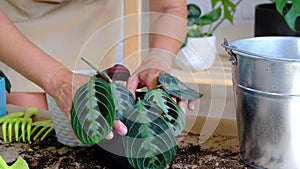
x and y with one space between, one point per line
8 120
11 116
24 123
45 125
19 164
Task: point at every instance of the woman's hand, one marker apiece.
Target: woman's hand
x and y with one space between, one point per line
149 78
65 86
147 75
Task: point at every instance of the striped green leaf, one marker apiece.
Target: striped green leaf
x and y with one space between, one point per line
150 142
171 111
123 99
175 87
93 109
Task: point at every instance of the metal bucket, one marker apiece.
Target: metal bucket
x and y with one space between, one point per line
266 84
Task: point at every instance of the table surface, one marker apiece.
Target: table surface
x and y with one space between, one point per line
217 152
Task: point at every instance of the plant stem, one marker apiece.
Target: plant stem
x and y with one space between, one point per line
92 66
99 72
219 23
209 32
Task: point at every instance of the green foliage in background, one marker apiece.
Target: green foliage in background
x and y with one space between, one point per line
197 21
290 15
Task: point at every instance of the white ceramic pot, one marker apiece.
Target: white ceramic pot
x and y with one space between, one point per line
198 54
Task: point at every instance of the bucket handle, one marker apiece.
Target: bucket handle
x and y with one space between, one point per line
228 49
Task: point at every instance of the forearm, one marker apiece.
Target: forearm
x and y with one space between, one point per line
23 56
168 24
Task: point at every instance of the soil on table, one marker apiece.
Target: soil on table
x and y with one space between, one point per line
193 157
50 154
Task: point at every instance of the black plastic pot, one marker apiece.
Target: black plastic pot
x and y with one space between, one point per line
268 22
110 153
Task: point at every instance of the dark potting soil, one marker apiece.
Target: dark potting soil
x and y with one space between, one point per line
50 154
193 157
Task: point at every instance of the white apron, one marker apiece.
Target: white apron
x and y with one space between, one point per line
64 30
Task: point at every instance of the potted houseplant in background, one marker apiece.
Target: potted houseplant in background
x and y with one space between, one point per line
198 52
278 18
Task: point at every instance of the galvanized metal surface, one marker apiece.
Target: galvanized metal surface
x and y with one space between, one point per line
266 80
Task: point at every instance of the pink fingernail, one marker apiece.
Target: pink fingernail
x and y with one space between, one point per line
123 130
192 106
109 136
